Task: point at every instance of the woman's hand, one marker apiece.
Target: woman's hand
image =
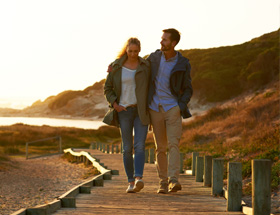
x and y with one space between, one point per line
119 108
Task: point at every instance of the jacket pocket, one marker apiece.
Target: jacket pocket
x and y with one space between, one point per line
111 118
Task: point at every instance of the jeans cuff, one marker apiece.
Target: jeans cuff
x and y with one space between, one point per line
138 175
131 180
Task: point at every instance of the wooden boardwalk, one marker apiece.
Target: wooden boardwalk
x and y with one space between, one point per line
112 198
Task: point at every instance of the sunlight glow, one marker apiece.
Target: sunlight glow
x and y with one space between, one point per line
51 46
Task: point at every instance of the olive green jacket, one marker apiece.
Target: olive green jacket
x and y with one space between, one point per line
113 86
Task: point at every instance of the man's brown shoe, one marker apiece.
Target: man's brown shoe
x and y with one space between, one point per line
163 188
174 186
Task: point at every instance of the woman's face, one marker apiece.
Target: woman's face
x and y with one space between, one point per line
132 51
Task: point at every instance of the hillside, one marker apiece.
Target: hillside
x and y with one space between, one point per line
218 74
222 73
88 103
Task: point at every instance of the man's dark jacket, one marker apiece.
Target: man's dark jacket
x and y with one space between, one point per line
180 81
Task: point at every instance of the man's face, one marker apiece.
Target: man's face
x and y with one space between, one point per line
166 43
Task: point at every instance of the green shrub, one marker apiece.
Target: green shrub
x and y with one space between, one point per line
275 175
246 169
213 114
221 73
12 150
4 157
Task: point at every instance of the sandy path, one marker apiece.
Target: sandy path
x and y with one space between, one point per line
37 181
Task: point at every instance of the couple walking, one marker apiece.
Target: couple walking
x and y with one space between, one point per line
155 91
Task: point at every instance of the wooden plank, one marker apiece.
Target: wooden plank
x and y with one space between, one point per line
112 198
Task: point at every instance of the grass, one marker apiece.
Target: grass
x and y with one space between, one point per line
13 139
5 162
238 132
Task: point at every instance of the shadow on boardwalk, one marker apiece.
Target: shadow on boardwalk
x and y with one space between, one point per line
112 198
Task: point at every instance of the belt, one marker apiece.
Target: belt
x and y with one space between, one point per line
132 106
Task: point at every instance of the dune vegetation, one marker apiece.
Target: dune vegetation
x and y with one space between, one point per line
239 132
13 139
222 73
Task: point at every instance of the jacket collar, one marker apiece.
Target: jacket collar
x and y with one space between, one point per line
157 54
181 65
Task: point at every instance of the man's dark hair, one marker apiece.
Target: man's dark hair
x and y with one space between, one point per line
174 34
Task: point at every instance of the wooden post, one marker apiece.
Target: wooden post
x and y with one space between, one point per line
93 145
26 150
117 149
108 149
152 155
261 186
60 144
87 162
146 155
181 162
199 169
207 171
68 202
84 159
113 150
85 189
194 155
234 186
217 176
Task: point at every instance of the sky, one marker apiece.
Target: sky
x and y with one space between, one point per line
49 46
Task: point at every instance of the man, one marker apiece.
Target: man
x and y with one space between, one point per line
170 91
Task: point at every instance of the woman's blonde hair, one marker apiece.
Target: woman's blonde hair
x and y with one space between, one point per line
132 40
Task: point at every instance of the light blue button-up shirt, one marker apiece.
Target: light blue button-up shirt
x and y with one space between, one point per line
163 95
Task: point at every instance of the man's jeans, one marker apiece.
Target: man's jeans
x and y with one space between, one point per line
167 128
128 120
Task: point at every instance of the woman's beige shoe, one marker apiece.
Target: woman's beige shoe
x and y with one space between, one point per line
139 185
130 188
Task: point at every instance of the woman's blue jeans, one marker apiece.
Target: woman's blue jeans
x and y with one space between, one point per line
128 120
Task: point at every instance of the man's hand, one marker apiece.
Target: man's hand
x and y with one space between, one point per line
119 108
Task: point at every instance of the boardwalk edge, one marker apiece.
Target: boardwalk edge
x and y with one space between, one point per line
68 199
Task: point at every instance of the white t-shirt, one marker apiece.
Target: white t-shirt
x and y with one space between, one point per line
128 96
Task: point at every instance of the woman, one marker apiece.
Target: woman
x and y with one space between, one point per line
126 90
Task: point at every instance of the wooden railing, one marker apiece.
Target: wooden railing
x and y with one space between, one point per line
45 139
114 148
106 148
211 171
